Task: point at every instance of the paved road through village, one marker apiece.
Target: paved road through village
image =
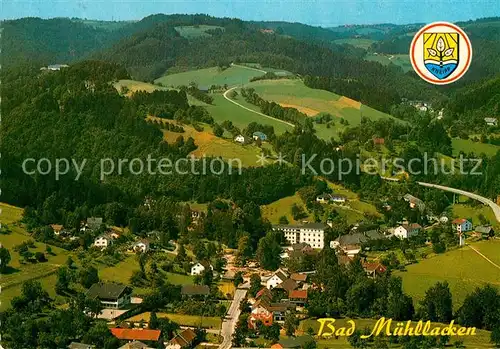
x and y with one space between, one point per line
229 323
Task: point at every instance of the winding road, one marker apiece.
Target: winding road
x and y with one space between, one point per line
486 201
251 110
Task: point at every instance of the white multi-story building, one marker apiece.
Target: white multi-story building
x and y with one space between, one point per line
312 234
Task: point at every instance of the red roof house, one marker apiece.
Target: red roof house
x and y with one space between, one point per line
137 334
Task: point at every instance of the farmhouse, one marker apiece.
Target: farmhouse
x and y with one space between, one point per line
103 241
338 198
406 231
111 295
374 269
298 297
462 225
414 202
485 230
350 244
491 121
140 246
310 233
259 135
277 278
184 339
378 141
240 139
199 268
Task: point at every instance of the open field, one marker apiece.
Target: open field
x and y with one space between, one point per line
468 146
294 92
352 212
402 60
210 76
463 269
479 341
210 145
183 320
195 31
357 42
223 110
21 272
473 212
134 86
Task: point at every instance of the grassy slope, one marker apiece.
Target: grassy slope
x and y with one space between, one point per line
210 145
468 146
210 76
194 32
223 109
473 212
19 273
357 42
463 269
352 213
401 60
295 94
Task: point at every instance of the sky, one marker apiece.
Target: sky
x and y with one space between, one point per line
314 12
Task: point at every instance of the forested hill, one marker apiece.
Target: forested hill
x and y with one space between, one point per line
485 38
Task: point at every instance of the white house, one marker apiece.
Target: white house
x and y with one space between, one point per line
199 268
338 198
240 139
103 241
276 279
462 225
406 231
491 121
142 246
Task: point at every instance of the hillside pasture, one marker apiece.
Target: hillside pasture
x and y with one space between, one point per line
196 31
207 77
462 268
211 146
468 146
401 60
20 271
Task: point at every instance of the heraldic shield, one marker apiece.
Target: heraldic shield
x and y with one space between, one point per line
441 53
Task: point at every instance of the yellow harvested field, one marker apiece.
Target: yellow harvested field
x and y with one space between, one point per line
305 110
346 102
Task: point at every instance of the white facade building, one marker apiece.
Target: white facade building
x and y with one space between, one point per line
406 231
240 139
103 241
462 225
310 233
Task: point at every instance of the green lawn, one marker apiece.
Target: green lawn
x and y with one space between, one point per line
463 269
183 320
468 146
473 212
21 272
223 110
195 31
402 60
231 76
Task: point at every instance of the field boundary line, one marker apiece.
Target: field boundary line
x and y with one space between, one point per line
251 68
253 111
482 255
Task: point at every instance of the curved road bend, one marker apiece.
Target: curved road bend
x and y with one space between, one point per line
251 110
486 201
229 323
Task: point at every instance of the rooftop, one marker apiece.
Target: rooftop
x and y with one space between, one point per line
136 334
107 290
184 339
